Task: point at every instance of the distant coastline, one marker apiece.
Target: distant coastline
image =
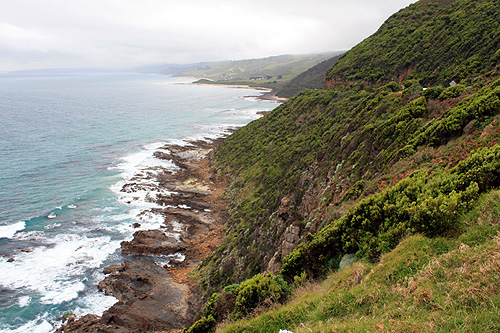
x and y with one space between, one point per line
268 95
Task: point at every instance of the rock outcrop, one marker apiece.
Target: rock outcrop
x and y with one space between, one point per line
152 297
148 298
152 242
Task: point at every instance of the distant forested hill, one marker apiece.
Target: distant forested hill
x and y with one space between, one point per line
286 74
268 72
313 78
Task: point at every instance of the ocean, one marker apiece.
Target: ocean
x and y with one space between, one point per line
68 143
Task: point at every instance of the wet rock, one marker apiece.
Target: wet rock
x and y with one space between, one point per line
84 324
148 298
162 155
151 297
152 242
113 268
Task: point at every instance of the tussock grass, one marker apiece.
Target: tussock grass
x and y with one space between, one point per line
423 285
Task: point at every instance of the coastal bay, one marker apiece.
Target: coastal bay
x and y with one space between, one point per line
88 160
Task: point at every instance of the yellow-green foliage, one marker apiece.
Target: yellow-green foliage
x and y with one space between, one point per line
423 285
254 291
203 325
421 203
237 301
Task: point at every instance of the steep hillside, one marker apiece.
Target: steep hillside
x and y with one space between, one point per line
371 159
424 285
433 41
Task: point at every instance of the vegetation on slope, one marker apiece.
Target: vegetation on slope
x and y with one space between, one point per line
432 41
370 160
424 285
313 78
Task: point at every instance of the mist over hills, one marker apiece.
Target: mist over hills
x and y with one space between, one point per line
277 72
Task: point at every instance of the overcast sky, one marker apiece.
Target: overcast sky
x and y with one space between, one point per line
122 33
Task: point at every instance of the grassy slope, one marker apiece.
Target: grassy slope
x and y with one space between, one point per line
423 285
346 160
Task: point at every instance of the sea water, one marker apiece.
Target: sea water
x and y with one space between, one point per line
67 145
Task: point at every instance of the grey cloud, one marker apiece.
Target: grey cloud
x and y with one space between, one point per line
118 33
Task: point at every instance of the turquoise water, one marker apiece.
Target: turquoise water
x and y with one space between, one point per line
67 145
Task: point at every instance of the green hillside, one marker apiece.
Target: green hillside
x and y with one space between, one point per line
388 165
268 72
313 78
443 41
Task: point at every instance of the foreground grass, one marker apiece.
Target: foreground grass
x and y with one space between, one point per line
424 285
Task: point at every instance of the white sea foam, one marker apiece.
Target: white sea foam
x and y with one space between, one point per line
143 160
24 301
178 256
52 226
31 236
8 231
146 218
212 132
176 226
138 186
151 218
38 325
56 271
94 302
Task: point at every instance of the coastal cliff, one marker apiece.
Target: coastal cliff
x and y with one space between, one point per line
368 205
401 141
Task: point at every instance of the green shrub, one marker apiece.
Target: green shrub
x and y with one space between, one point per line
390 87
252 292
452 92
424 203
203 325
432 92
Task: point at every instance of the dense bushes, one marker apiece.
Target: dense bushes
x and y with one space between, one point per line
485 103
432 42
296 147
237 301
422 203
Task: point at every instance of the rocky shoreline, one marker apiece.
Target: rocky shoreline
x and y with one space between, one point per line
152 297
